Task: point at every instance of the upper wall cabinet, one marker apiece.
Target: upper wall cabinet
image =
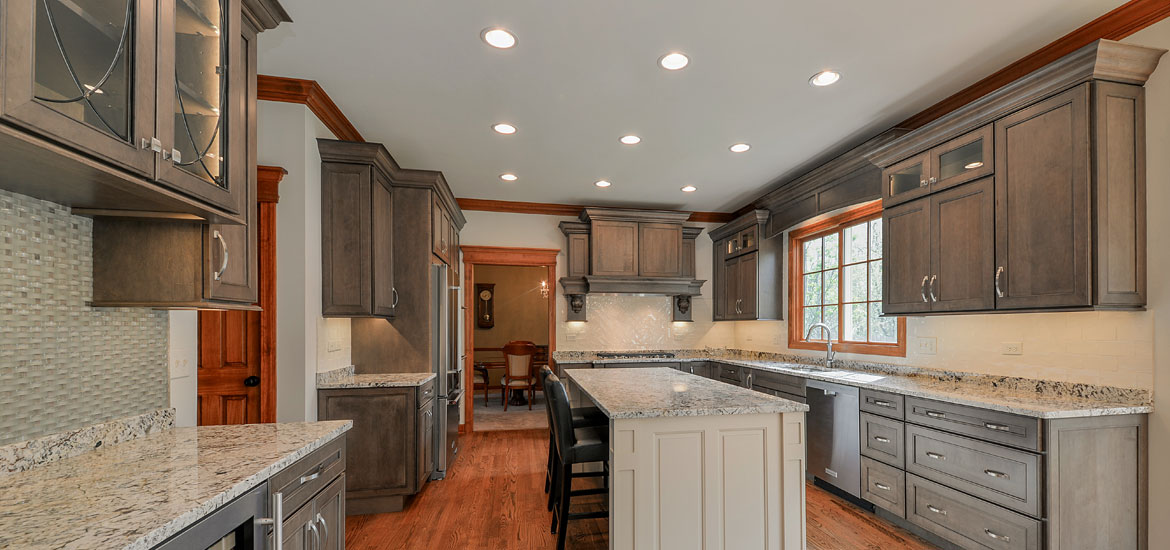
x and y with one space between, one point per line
747 270
134 105
1030 198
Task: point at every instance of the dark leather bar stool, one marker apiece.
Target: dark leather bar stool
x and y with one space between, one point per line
583 417
574 446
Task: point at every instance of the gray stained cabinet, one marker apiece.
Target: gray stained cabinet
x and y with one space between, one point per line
1042 206
357 231
390 454
747 270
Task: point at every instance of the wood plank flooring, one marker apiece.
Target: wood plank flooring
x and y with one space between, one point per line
495 500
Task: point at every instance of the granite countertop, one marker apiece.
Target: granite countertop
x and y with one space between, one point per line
655 392
398 380
136 494
1027 397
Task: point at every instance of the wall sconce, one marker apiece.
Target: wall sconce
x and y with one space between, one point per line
544 289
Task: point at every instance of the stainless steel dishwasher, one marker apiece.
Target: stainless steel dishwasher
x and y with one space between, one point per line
834 447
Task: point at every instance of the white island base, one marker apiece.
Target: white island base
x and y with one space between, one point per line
699 464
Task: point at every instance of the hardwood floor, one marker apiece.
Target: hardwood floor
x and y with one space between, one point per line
495 500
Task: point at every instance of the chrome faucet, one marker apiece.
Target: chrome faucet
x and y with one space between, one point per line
829 342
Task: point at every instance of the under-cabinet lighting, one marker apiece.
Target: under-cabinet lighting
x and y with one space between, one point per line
973 165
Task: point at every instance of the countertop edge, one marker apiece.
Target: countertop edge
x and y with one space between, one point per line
782 406
351 382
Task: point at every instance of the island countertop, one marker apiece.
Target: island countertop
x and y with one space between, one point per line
137 494
655 392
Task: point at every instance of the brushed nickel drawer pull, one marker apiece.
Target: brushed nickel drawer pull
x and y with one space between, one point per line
936 456
994 473
938 511
997 427
881 439
936 414
311 477
885 404
881 486
997 536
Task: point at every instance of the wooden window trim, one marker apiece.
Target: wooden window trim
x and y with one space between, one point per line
820 228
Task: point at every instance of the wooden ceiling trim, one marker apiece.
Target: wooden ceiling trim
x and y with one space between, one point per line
313 96
568 210
1123 21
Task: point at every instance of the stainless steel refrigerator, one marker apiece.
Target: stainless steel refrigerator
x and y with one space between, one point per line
447 366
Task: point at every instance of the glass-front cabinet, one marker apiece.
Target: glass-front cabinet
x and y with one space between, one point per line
81 73
147 86
960 160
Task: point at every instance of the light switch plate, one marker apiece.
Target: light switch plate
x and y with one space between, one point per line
182 368
927 345
1013 348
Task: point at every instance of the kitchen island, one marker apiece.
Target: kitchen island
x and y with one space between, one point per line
697 463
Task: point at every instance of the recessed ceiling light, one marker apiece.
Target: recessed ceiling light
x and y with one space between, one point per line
739 147
498 38
602 183
973 165
689 189
673 61
631 140
824 78
504 128
508 177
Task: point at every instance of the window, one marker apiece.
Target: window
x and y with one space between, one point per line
835 277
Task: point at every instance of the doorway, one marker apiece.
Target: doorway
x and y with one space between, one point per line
519 304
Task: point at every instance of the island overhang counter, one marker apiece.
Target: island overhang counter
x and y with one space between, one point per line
696 463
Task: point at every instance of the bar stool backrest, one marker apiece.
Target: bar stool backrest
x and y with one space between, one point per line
562 419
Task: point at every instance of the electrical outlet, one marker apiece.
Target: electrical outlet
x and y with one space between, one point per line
1013 348
928 345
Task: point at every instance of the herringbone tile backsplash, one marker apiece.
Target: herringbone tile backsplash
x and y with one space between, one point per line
65 365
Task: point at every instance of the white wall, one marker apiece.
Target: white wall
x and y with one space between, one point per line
183 357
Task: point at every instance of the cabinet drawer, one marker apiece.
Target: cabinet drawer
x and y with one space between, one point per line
730 374
1009 429
966 520
426 392
307 476
1005 476
883 485
776 381
883 439
885 404
639 365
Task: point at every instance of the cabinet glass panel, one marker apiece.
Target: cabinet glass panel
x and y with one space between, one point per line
967 157
200 88
82 66
907 179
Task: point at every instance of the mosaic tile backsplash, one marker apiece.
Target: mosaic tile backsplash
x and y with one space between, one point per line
65 365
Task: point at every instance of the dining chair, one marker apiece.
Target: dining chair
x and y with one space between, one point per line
479 381
518 375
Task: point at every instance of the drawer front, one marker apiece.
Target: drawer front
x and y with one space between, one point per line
883 439
639 365
966 520
731 374
697 368
307 476
776 381
885 404
883 485
1005 476
1009 429
426 392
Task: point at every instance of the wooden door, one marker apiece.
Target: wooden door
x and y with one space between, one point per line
229 368
962 245
329 513
614 248
906 257
345 240
747 285
1042 193
660 249
383 295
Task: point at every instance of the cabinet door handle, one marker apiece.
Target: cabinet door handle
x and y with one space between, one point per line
885 404
997 427
276 521
933 180
998 290
882 486
997 536
994 473
324 527
881 439
936 456
936 509
224 248
933 297
394 291
921 182
312 527
923 288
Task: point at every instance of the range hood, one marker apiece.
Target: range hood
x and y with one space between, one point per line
625 251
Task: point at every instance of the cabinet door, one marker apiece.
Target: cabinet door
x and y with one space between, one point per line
1042 194
906 257
83 74
719 281
747 285
660 250
329 514
426 442
380 458
345 240
906 180
614 248
382 247
297 530
962 245
731 287
965 158
201 118
437 229
445 236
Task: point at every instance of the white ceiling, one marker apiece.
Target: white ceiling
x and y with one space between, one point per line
415 76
